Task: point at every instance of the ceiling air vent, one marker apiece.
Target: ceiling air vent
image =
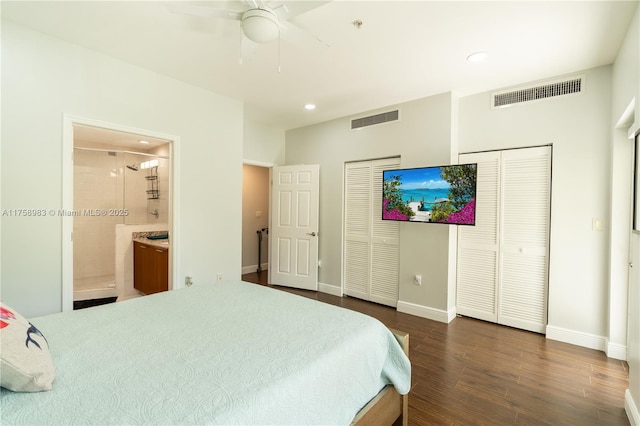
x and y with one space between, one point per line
374 119
543 91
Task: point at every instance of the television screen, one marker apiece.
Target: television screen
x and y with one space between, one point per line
444 194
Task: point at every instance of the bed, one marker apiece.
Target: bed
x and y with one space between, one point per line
226 353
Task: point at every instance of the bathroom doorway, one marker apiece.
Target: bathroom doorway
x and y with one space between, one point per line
119 185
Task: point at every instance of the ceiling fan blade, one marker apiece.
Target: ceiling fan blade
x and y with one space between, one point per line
203 11
296 35
291 9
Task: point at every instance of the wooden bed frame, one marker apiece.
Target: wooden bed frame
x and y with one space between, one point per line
388 406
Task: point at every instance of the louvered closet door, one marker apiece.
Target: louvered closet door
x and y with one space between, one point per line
526 188
371 251
478 245
503 260
385 242
356 229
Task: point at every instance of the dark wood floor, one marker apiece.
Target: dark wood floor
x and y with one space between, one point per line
471 372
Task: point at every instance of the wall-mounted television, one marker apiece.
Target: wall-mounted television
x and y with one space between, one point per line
442 194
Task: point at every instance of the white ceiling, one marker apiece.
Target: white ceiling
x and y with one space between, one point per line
404 50
96 137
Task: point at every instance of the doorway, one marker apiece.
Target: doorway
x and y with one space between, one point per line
131 187
117 180
255 222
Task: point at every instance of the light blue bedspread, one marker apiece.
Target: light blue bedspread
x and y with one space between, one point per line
227 353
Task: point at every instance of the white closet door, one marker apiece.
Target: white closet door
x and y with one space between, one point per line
371 245
478 246
385 247
356 229
526 188
503 260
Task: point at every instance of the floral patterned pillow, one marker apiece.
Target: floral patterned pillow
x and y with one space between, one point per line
25 362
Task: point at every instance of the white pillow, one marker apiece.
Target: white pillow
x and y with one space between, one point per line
26 364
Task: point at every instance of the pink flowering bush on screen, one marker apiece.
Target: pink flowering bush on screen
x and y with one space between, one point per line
392 214
466 216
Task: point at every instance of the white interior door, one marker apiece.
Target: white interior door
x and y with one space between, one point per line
294 226
633 302
633 321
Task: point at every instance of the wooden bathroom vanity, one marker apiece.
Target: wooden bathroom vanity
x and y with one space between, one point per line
151 266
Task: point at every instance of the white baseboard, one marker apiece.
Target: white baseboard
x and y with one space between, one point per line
631 408
426 312
616 351
330 289
254 268
579 338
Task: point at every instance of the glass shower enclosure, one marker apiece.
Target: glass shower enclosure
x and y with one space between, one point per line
111 188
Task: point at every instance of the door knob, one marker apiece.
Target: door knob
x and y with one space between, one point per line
313 234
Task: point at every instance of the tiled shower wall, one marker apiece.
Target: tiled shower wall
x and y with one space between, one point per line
95 186
161 203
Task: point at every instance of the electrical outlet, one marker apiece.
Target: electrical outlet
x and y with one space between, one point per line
188 281
219 276
597 224
417 279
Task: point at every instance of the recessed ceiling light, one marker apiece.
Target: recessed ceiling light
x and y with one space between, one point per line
309 107
477 57
145 142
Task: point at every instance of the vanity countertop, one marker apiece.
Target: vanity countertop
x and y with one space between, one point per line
161 244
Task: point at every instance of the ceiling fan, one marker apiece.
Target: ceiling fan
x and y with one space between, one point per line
260 21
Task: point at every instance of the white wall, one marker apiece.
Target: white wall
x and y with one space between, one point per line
42 78
578 126
262 144
421 137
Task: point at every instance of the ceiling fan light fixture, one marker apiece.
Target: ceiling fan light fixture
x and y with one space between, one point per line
260 25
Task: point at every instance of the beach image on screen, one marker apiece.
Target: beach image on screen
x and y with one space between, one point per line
444 194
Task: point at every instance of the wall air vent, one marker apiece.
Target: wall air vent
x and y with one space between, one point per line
541 91
374 119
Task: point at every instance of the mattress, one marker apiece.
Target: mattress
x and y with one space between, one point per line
226 353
